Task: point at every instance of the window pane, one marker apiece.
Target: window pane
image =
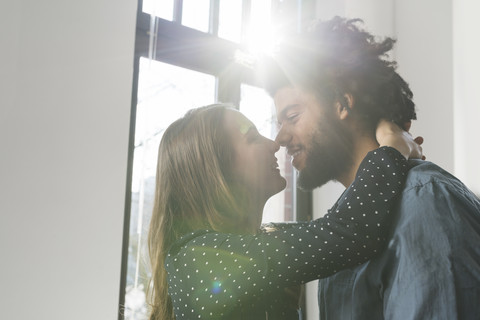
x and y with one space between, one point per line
230 20
260 35
258 106
165 93
196 14
159 8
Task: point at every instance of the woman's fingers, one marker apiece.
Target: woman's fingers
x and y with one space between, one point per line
418 140
390 134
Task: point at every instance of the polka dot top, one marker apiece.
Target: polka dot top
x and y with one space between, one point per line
213 275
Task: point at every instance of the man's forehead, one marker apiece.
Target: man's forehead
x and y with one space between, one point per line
286 95
287 98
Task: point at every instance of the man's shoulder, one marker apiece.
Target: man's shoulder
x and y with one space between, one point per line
433 194
425 173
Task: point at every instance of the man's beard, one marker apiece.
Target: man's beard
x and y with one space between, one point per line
329 155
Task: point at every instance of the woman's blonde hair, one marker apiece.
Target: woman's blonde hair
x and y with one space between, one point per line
193 191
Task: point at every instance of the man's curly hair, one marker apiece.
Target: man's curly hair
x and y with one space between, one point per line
336 57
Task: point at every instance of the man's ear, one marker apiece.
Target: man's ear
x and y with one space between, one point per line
344 106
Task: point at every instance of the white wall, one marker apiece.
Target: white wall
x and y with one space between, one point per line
424 30
66 77
466 51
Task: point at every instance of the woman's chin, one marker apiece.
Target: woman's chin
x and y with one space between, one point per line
281 185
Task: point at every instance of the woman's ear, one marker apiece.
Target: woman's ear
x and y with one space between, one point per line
344 106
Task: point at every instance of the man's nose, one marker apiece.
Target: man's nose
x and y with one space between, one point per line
283 137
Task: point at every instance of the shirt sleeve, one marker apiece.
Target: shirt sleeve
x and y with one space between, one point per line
433 269
218 272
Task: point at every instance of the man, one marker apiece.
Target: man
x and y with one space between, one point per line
332 86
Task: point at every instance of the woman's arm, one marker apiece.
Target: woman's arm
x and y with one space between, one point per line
355 229
220 271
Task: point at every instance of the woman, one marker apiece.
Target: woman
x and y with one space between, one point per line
215 172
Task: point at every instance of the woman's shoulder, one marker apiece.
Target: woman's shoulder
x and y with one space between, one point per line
187 240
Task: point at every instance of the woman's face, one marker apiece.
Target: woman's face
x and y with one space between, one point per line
255 167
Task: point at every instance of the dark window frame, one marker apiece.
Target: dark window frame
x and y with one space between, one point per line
204 52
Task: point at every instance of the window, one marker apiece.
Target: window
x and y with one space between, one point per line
258 106
195 14
185 58
165 93
230 20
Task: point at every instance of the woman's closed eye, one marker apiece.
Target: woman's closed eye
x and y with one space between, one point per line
253 135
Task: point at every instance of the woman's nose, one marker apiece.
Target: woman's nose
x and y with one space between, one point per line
272 145
276 146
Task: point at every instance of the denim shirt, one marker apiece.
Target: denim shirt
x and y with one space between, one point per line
431 267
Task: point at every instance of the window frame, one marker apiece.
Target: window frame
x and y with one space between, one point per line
208 54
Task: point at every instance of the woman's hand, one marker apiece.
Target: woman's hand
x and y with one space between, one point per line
391 135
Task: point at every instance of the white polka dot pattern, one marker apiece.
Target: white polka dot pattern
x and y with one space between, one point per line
227 276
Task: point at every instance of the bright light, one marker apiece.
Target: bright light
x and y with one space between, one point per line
259 35
260 32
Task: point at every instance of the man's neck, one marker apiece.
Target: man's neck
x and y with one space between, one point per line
362 146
